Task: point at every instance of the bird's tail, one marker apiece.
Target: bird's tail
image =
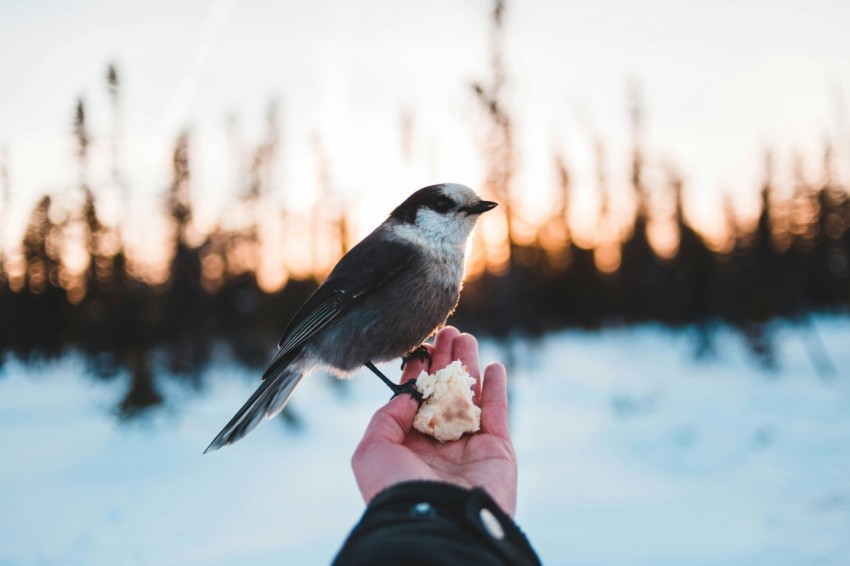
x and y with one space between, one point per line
267 401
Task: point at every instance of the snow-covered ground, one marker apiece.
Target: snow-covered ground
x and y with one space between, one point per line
631 452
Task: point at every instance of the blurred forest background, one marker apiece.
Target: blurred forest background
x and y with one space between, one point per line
72 284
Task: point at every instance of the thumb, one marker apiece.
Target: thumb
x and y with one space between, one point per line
494 402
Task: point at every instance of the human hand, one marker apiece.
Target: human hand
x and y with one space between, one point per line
392 451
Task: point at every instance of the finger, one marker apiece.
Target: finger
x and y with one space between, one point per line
441 355
393 421
494 402
465 349
414 367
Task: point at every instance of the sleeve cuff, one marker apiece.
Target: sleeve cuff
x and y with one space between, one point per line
448 520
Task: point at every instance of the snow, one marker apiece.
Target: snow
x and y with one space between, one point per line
630 450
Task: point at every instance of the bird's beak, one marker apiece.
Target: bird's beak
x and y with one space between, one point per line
482 206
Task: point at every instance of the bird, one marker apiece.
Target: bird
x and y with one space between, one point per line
384 298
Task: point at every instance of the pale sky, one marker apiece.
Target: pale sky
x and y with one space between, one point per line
720 82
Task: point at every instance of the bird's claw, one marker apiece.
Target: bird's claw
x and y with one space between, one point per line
408 387
421 353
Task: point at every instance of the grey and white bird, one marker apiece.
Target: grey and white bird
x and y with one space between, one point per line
384 298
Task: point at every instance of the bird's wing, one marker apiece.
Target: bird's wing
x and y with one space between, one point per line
364 269
321 311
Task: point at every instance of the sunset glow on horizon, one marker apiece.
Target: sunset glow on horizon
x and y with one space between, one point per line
375 102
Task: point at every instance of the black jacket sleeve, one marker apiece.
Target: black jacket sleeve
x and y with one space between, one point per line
431 523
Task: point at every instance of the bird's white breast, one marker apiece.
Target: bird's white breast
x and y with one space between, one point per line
445 246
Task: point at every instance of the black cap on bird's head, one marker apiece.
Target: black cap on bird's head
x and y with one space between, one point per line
445 198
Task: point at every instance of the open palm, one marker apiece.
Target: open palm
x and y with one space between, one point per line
392 452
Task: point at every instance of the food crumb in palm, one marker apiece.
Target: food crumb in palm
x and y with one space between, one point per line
447 410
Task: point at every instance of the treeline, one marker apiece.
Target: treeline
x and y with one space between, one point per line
793 261
74 286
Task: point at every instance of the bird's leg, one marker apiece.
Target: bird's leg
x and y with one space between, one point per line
408 387
421 353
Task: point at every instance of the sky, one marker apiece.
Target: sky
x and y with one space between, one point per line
719 83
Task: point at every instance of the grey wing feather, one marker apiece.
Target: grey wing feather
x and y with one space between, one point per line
267 401
365 268
325 312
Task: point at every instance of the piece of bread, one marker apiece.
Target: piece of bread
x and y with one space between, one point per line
447 410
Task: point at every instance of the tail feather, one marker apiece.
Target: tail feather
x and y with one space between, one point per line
267 401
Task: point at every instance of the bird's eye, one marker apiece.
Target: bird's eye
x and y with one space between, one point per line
442 204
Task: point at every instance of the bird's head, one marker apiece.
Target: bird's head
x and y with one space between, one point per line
441 212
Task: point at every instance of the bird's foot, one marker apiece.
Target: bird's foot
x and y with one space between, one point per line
421 353
408 387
